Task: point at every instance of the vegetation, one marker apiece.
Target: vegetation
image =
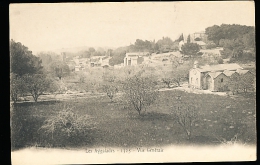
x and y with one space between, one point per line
186 115
66 123
117 126
22 60
59 69
190 48
37 84
17 87
235 39
140 92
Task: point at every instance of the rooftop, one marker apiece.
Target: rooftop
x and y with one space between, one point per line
228 72
219 67
137 54
241 72
214 74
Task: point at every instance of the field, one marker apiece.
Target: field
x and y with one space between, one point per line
222 119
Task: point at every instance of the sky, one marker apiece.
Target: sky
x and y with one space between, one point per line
44 27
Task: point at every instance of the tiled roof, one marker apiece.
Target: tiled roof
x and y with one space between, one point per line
219 67
137 54
228 72
214 74
241 72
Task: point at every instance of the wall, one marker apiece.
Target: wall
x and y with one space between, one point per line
221 86
195 78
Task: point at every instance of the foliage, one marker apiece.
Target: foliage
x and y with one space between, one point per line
234 84
140 91
225 31
22 60
234 39
190 48
60 69
117 57
241 83
186 115
197 39
110 90
246 82
37 84
66 123
16 87
167 81
188 39
181 38
211 46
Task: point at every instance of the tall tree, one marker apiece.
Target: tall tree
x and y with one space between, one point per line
22 60
190 48
188 39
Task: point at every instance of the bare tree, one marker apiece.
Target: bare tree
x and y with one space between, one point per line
36 84
186 115
140 91
16 87
246 82
110 90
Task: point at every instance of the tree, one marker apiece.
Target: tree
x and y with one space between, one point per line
190 48
117 58
246 82
59 69
140 91
186 115
211 46
180 73
234 83
167 81
181 38
91 50
110 90
22 60
17 86
37 84
188 39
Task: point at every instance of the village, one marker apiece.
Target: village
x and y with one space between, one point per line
214 78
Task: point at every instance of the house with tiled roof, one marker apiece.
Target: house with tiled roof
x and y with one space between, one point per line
135 58
214 77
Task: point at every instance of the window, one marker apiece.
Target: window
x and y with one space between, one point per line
221 80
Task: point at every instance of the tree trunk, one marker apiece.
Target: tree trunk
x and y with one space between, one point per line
188 133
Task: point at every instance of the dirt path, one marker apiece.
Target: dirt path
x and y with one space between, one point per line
184 87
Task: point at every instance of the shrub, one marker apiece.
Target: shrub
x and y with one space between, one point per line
66 123
110 90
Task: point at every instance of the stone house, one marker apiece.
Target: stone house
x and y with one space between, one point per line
214 77
134 58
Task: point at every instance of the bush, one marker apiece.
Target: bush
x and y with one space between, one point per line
211 46
110 90
66 123
220 61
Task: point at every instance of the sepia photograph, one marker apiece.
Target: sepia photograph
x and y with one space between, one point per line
132 82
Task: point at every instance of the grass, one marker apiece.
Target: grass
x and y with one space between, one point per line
220 117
